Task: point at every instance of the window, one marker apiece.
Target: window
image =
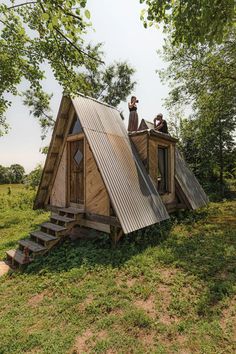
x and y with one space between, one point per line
162 170
76 127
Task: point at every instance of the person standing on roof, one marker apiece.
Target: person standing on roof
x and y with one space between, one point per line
160 124
133 115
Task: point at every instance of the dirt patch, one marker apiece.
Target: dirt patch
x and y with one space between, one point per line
130 282
117 311
147 339
81 343
86 341
35 350
126 282
89 299
4 268
167 275
165 295
37 299
167 319
228 319
165 300
147 305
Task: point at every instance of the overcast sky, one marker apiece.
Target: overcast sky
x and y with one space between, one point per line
117 25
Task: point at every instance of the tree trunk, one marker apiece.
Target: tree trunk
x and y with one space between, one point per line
221 160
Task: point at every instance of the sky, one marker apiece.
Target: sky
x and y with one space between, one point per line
117 24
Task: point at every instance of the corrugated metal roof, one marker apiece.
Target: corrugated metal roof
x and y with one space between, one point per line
189 184
133 196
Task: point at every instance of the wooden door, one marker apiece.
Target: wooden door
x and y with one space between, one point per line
76 172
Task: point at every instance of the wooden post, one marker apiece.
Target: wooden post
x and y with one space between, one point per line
115 235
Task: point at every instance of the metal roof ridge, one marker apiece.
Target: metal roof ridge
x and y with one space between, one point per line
107 133
95 100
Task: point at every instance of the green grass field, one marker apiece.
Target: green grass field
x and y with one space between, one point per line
169 289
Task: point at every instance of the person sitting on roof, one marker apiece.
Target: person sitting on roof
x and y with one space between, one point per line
160 124
133 115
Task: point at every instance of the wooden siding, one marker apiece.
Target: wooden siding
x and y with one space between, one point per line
75 172
97 199
153 144
54 155
58 195
141 144
170 197
152 160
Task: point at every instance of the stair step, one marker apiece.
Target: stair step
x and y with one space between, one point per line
32 246
18 256
53 227
43 236
64 219
72 210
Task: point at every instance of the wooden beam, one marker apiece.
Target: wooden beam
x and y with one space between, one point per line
108 220
60 152
54 154
75 137
115 235
94 225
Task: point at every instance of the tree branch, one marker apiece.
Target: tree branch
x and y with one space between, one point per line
75 46
23 4
71 43
70 13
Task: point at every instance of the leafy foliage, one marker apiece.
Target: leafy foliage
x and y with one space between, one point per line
204 78
192 21
36 33
13 174
33 178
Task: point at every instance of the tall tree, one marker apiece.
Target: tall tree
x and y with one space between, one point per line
16 173
35 33
192 21
205 78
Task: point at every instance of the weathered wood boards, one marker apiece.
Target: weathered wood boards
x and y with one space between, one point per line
58 194
97 199
147 144
132 177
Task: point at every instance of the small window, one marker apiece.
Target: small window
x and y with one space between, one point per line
76 127
162 170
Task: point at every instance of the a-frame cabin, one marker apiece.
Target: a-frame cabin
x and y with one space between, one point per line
98 176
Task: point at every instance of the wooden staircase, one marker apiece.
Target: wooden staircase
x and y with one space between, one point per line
42 240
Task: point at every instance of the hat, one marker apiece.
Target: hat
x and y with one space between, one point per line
159 115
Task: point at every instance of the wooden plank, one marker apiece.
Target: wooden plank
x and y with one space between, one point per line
60 152
71 210
18 257
76 173
95 225
58 192
141 144
64 219
54 227
43 236
97 199
152 160
75 137
32 246
108 220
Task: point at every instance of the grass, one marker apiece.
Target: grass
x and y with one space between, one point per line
168 289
